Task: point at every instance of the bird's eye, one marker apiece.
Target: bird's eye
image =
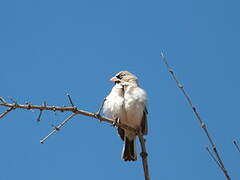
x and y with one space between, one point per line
118 76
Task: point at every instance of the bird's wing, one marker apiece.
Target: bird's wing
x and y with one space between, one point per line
144 123
121 133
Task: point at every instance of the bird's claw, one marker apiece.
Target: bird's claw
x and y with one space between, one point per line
97 115
115 122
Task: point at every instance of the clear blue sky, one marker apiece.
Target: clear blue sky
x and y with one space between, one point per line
49 48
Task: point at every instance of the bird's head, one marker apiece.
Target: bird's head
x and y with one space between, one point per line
124 77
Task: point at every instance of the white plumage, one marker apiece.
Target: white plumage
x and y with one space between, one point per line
135 100
113 105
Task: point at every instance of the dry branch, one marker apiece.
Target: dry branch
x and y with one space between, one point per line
75 111
67 109
144 156
203 125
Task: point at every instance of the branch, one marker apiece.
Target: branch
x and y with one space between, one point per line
74 110
144 156
235 143
203 125
6 112
57 128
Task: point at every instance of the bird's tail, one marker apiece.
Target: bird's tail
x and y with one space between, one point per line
129 152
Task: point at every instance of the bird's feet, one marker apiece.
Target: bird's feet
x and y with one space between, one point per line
97 115
115 122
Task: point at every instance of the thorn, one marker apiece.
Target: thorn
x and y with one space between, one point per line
56 128
180 85
162 54
70 100
203 125
97 115
143 155
170 70
194 108
29 106
13 100
39 116
2 100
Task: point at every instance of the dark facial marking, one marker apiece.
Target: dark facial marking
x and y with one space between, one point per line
120 75
116 82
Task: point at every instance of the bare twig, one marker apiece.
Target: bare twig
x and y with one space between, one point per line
101 107
39 116
6 112
144 156
2 100
57 128
235 143
70 100
203 125
213 157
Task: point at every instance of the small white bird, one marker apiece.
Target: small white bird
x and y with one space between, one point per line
127 103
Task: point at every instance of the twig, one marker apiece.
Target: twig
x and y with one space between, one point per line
39 116
70 100
144 156
235 143
203 125
213 157
101 107
57 128
6 112
2 100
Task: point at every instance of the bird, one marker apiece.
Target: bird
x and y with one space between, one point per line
127 103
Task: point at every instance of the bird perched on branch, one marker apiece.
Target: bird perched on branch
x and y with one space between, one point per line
127 104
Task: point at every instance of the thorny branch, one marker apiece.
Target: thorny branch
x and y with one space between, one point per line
203 125
72 109
75 111
57 128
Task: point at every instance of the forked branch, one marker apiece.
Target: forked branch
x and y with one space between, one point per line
203 125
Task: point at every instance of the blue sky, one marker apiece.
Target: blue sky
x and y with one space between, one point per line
49 48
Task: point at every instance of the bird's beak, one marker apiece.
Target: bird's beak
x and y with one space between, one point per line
114 79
